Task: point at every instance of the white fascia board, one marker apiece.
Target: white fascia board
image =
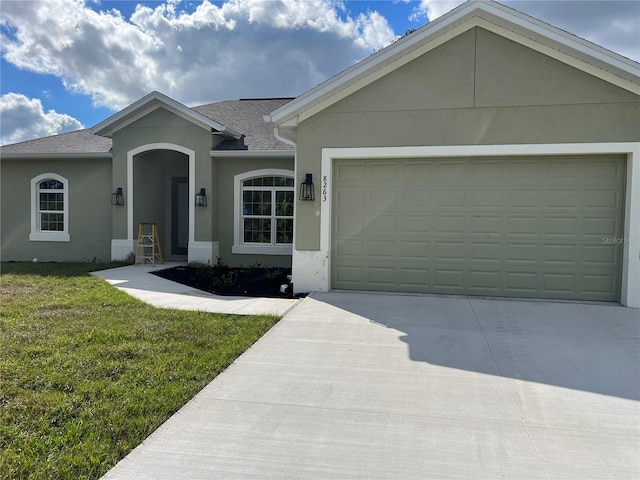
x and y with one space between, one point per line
252 153
493 16
151 102
565 38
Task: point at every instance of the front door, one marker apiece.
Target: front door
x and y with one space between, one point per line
179 215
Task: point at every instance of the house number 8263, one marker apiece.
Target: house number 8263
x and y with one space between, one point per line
325 182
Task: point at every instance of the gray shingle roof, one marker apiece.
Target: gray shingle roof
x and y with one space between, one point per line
245 116
80 141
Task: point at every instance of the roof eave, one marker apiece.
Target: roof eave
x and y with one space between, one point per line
252 153
462 18
55 156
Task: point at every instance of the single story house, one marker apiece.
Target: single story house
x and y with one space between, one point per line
487 153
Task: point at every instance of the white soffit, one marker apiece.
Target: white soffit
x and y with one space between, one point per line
492 16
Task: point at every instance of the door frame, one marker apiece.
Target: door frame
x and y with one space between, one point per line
176 250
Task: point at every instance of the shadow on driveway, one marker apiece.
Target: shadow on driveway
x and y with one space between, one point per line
581 346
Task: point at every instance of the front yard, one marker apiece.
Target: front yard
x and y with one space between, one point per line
87 372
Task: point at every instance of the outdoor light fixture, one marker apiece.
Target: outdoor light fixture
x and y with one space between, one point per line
306 189
201 198
117 198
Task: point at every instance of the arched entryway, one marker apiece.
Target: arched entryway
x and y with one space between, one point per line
160 179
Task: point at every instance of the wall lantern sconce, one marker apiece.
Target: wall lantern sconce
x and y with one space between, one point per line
117 198
306 189
201 198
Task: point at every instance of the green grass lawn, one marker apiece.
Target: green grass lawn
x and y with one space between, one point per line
87 372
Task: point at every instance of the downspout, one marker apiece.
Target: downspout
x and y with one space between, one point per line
276 132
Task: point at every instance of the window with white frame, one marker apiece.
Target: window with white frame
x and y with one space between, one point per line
49 208
264 212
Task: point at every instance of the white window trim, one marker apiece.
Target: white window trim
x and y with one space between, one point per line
238 246
36 235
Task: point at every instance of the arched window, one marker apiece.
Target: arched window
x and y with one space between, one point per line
264 212
49 208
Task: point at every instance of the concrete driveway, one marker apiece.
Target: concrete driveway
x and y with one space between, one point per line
378 386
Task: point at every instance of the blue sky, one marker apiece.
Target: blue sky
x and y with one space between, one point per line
69 64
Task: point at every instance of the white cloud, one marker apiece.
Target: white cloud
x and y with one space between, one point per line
240 48
612 24
432 9
24 118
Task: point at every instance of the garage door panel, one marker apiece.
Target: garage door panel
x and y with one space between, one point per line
449 280
485 282
486 252
382 223
600 255
485 224
453 198
447 224
604 171
561 284
598 226
564 200
417 173
381 249
522 225
602 199
522 253
388 172
489 227
521 283
595 284
413 224
383 200
416 198
416 279
523 199
415 249
490 199
563 225
351 200
560 254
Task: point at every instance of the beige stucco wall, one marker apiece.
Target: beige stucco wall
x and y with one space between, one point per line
90 210
226 169
477 89
162 126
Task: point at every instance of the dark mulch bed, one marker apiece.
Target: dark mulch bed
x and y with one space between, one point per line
223 280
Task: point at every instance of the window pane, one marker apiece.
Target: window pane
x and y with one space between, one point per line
52 222
284 230
289 182
257 230
52 201
51 185
284 204
256 202
267 181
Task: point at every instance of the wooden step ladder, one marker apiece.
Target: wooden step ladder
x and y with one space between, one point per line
148 247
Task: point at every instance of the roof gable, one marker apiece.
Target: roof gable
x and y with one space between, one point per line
491 16
152 102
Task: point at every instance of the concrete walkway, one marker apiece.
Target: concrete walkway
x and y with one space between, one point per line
363 386
138 282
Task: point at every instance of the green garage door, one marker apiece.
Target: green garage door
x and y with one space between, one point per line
523 226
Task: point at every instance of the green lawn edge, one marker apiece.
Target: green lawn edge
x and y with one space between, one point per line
88 372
